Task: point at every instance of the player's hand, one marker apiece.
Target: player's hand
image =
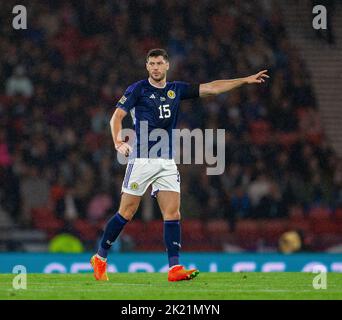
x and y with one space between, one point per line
123 148
257 78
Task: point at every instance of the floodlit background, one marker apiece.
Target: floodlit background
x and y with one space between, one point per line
61 78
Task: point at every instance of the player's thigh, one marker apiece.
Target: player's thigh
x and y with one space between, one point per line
140 173
169 204
129 205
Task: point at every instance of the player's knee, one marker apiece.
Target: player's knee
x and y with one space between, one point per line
128 210
172 215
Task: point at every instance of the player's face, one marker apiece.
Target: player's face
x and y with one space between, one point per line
157 67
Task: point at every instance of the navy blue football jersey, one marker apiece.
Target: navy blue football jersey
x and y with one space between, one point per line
152 109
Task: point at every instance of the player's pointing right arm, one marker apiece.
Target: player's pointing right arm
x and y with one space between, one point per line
221 86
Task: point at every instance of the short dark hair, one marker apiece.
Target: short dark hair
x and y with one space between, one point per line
156 53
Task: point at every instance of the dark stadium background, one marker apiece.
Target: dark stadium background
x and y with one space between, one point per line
61 78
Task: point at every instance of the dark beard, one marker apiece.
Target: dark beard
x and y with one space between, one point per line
158 79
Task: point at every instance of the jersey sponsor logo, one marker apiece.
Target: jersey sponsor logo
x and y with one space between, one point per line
162 99
152 96
171 94
122 100
134 186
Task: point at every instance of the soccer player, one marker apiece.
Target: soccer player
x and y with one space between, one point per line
156 102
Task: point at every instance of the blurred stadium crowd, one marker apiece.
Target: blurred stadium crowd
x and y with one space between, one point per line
61 78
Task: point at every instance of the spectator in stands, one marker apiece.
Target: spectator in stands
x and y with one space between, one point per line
290 242
70 207
271 205
310 126
34 191
259 188
62 78
98 206
283 117
19 83
239 204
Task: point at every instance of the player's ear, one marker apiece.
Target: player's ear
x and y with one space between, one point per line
167 65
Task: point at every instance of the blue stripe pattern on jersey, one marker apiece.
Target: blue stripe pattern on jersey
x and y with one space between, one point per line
128 174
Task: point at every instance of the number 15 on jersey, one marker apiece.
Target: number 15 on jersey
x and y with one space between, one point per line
164 111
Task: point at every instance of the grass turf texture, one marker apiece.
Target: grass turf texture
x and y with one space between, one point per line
154 286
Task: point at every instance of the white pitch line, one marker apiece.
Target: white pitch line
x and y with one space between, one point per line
228 292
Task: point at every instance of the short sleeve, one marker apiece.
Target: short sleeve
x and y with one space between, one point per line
128 100
188 90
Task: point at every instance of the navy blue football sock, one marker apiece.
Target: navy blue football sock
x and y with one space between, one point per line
111 232
172 238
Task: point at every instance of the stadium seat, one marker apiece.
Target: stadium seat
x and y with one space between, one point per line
301 113
323 242
217 231
42 214
303 225
93 140
154 227
152 234
5 100
338 215
151 247
297 220
325 227
288 139
201 246
260 132
320 214
100 224
192 230
296 213
271 230
315 138
134 227
45 219
248 233
86 230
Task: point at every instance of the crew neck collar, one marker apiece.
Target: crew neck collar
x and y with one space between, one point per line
148 79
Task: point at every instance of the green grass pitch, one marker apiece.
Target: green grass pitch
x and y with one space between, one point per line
154 286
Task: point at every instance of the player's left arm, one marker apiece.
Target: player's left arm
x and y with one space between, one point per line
221 86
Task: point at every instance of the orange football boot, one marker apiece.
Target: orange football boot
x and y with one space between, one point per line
179 273
100 268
